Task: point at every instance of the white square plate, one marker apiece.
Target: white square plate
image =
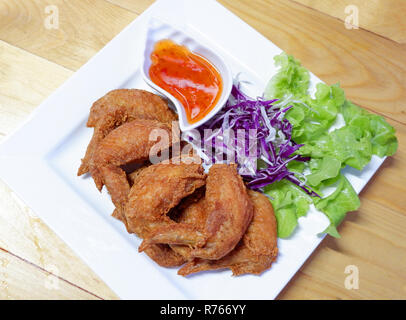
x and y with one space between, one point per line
40 160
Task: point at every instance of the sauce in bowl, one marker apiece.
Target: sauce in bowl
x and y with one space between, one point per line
189 77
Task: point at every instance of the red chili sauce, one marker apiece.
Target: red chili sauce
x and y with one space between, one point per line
190 78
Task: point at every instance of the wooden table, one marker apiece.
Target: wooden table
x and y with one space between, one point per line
34 61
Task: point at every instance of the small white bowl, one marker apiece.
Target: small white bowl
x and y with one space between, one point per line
159 30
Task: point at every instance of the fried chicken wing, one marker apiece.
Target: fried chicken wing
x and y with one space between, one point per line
193 213
182 216
125 144
122 106
156 190
225 213
133 175
163 255
254 253
229 212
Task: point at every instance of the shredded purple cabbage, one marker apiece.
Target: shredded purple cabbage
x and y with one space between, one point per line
272 151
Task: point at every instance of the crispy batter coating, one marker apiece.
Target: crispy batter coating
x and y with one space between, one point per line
256 251
229 212
163 255
223 215
133 175
125 144
193 213
156 190
121 106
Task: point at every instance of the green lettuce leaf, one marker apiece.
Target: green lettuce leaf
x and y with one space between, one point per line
323 169
336 205
294 80
341 144
289 203
382 134
363 135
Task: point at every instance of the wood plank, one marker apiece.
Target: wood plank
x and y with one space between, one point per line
85 26
137 6
373 239
387 187
25 235
21 280
371 69
383 17
333 54
25 80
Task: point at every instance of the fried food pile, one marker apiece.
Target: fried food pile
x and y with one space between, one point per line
185 217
